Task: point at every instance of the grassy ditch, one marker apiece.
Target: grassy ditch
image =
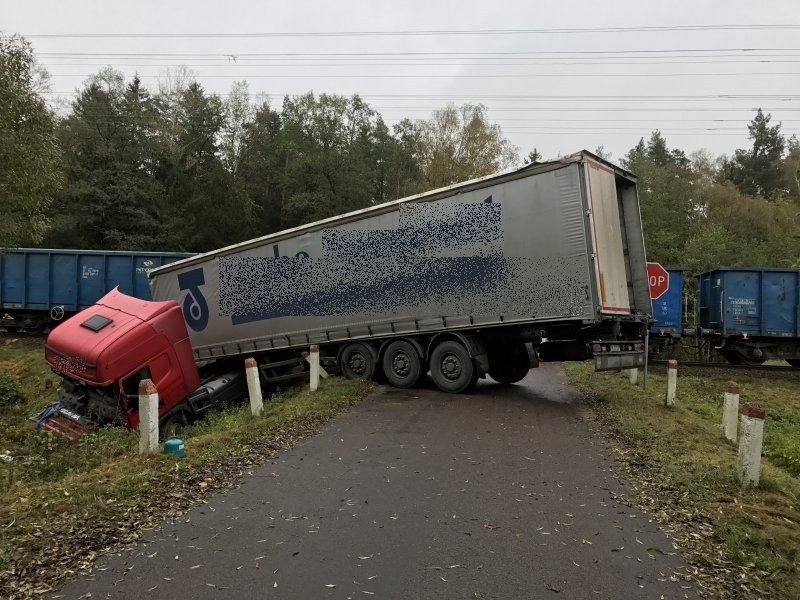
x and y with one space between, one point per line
745 542
66 503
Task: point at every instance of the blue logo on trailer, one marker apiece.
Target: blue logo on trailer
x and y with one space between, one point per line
195 307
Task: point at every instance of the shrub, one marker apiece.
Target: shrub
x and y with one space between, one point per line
10 391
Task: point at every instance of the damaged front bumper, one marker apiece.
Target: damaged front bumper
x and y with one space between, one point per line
62 421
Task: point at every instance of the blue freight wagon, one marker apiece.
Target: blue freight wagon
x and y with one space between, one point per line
668 309
40 287
751 315
667 328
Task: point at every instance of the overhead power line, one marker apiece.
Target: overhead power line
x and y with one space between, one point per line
479 98
561 125
467 76
652 123
427 32
678 52
422 63
558 125
624 133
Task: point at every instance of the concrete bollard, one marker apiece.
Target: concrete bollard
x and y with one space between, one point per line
148 417
730 411
672 382
322 372
313 360
634 376
254 387
751 437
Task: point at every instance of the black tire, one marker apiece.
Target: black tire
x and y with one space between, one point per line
357 362
509 365
402 365
172 426
511 373
795 362
452 368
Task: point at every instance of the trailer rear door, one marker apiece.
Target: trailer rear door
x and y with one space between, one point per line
607 238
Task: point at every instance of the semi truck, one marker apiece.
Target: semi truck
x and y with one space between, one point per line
486 277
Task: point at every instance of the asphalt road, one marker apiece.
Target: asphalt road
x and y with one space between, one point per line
502 493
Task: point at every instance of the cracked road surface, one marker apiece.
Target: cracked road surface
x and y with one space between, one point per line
501 493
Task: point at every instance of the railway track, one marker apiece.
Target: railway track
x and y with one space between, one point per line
18 334
729 366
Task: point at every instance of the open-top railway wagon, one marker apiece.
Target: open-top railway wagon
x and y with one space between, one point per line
40 287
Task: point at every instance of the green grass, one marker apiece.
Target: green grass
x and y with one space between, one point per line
77 497
683 459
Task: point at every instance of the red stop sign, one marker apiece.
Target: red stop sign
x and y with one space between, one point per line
658 279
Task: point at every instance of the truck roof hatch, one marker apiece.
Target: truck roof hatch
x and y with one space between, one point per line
96 322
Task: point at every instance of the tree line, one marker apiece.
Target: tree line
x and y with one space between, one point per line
179 168
701 211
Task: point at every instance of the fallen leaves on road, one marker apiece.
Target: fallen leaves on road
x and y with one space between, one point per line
81 541
551 587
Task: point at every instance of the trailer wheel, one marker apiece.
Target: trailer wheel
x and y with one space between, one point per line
510 365
452 367
402 365
357 362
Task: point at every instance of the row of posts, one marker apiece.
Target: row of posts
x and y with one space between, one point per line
148 398
747 429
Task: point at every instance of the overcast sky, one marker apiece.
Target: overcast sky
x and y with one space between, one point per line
557 91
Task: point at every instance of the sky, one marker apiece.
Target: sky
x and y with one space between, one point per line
555 75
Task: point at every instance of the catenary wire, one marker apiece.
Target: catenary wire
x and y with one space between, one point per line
427 32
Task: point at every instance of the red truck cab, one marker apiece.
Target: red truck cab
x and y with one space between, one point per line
103 353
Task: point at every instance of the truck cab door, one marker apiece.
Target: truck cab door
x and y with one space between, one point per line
129 390
166 377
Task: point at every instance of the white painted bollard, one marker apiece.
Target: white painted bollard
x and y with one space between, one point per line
634 376
148 417
254 387
322 372
672 382
313 361
730 411
751 437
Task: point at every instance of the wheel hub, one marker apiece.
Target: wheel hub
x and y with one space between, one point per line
401 364
357 363
451 367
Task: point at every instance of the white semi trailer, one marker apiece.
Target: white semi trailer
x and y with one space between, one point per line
454 281
486 277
